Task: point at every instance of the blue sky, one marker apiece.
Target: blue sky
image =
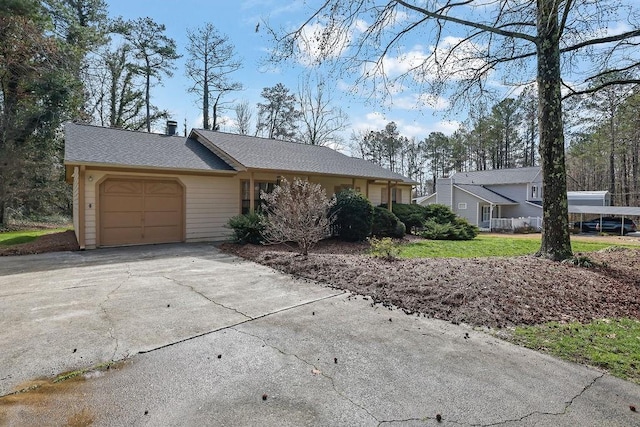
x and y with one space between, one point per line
238 20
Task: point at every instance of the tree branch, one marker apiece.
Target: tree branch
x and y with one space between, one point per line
488 28
599 87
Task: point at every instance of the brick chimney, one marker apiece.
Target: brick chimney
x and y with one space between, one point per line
172 127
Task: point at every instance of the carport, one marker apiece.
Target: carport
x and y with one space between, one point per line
621 211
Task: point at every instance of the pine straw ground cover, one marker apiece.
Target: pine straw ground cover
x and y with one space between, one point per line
492 292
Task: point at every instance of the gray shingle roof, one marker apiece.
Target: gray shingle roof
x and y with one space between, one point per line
86 144
486 194
498 176
270 154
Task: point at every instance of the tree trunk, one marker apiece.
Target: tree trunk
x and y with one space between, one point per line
205 99
612 157
147 97
556 243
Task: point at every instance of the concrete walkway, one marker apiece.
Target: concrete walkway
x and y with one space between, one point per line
203 338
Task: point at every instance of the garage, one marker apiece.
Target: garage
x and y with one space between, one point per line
140 211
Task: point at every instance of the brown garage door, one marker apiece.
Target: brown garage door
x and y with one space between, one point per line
139 211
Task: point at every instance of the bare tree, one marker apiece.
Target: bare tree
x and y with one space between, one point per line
321 120
244 115
212 59
470 40
297 212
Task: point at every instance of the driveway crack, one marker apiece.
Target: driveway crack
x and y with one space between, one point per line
207 298
112 324
563 412
314 367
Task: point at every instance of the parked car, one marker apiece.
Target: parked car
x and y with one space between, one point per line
610 224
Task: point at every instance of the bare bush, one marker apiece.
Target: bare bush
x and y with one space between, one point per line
297 212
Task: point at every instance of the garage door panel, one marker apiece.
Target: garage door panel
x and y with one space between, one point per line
123 187
140 211
122 203
121 219
121 236
162 234
163 187
154 219
152 203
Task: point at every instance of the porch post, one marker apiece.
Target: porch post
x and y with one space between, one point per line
81 207
252 191
490 215
389 202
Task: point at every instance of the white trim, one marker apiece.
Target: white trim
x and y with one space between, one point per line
483 199
462 206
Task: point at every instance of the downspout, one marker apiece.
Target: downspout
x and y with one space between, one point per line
451 192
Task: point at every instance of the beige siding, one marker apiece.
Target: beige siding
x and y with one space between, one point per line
76 201
210 202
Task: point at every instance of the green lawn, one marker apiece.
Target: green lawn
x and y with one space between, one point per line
610 344
16 237
484 246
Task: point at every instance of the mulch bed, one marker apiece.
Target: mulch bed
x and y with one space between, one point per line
55 242
492 292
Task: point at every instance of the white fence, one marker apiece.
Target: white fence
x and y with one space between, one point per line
511 224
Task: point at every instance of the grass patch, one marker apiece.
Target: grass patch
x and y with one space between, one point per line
73 374
24 236
613 345
486 246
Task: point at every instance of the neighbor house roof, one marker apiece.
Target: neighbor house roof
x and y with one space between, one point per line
587 195
486 194
498 176
87 144
270 154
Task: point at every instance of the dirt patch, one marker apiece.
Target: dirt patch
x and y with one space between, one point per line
54 242
493 292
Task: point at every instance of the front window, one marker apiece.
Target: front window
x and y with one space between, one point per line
535 192
247 193
396 195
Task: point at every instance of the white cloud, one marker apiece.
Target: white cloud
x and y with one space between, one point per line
417 101
375 121
453 58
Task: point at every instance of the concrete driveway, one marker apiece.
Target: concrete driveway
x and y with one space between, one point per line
203 338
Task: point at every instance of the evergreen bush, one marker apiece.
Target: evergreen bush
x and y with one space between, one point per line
247 228
353 214
386 224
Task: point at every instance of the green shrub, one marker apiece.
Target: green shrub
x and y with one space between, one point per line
386 224
384 248
458 229
412 216
441 214
353 214
247 228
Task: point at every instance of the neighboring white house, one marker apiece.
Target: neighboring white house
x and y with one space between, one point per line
502 198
